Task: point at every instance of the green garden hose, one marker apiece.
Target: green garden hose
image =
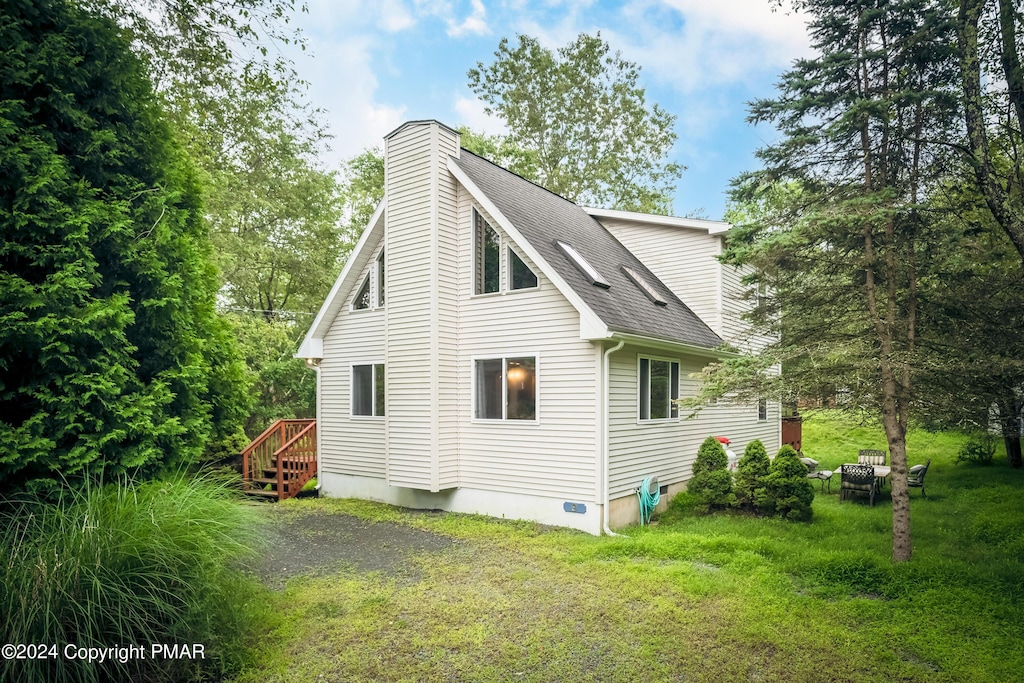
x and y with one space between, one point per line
648 500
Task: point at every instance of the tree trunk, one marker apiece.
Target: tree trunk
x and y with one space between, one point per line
896 435
1009 425
1013 453
996 197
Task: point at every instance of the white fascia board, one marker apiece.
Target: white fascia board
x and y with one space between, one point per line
312 345
591 325
710 227
669 345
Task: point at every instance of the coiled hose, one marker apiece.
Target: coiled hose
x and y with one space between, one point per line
648 500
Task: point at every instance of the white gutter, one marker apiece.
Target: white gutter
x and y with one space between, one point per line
604 442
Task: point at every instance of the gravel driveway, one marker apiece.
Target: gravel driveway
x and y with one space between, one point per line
314 543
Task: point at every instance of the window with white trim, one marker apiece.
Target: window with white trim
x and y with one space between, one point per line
519 274
488 277
380 279
658 388
488 257
362 300
762 410
368 392
505 388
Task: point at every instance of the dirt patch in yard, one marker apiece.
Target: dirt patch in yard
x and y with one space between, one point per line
314 543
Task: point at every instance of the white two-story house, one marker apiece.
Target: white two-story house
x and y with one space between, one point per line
493 348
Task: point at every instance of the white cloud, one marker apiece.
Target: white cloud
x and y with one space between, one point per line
476 22
393 16
470 112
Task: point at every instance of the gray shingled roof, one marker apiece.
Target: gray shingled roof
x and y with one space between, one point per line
544 217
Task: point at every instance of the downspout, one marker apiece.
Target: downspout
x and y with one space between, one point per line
315 365
604 442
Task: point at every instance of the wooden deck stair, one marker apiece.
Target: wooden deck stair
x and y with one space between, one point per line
279 462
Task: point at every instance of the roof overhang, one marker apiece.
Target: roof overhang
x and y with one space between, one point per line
669 345
710 227
312 345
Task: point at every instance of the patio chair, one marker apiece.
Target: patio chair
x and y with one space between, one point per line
814 473
915 478
871 456
857 479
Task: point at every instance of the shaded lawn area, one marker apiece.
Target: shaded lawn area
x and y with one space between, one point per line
720 598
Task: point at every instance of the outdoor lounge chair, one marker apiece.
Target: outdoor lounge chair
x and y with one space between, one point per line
915 478
857 479
814 473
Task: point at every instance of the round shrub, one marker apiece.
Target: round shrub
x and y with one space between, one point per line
750 474
787 492
711 482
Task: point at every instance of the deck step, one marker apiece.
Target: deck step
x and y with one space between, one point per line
261 493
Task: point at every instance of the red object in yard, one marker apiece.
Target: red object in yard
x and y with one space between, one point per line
723 440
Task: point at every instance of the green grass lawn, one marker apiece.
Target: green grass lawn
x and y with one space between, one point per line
717 598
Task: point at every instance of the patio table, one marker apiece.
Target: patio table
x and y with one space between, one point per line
881 472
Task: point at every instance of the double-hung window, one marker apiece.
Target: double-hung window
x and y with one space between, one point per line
368 390
762 409
658 388
505 388
489 276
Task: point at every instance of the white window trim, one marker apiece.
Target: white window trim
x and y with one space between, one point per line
373 390
758 410
508 269
504 388
371 277
504 262
679 392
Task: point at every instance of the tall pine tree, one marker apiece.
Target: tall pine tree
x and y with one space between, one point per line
835 222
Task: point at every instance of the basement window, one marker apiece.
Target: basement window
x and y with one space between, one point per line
583 265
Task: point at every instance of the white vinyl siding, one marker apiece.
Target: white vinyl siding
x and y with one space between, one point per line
420 358
554 456
682 258
352 446
667 448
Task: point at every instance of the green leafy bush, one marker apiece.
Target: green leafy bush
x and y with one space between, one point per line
112 356
750 474
711 482
131 563
978 450
787 491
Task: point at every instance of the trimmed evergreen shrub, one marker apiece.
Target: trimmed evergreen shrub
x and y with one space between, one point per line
787 491
750 474
712 481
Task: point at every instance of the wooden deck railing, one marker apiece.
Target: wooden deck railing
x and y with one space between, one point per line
282 458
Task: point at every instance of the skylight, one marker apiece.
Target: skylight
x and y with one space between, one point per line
584 267
644 286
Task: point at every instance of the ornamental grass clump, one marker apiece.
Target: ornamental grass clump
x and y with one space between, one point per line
787 492
750 475
127 564
712 482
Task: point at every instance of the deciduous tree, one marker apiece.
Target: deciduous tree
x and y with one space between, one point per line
584 119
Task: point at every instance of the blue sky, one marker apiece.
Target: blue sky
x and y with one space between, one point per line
373 65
